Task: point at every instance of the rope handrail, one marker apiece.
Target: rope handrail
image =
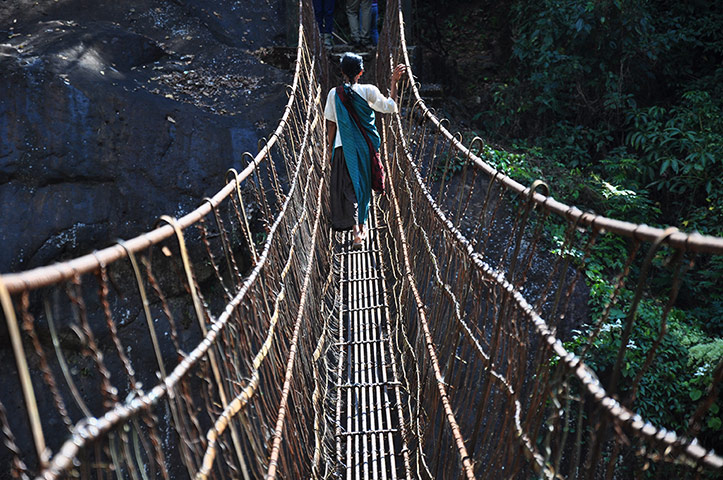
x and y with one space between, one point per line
574 364
451 420
687 241
50 274
88 430
206 361
523 309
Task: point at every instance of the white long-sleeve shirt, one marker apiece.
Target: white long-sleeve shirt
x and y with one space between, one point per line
368 92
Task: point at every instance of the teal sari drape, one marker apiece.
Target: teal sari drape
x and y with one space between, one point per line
356 151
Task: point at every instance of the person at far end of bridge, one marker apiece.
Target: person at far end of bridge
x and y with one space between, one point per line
359 14
350 185
375 20
324 13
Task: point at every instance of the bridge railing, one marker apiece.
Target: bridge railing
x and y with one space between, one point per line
176 353
497 329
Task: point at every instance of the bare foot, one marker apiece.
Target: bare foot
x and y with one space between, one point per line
358 242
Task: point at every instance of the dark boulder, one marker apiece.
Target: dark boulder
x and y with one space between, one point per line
113 113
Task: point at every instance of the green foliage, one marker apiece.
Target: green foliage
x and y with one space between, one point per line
681 147
690 350
516 165
685 360
586 62
626 99
628 91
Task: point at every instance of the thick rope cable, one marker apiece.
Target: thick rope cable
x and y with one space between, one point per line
689 447
451 420
92 428
279 429
241 400
247 398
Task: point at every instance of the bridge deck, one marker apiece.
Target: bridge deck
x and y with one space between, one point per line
368 437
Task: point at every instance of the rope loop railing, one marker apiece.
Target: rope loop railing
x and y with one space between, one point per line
509 304
148 353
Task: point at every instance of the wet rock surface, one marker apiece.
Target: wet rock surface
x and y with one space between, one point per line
113 113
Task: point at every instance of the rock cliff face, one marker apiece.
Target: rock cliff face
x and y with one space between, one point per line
113 113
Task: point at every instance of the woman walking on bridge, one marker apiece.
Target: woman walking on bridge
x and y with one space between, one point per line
351 166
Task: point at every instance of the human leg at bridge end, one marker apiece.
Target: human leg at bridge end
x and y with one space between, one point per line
348 146
359 14
324 13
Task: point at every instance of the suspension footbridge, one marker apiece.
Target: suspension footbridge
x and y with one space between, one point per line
435 351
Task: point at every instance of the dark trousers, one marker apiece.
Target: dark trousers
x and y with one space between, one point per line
342 198
324 13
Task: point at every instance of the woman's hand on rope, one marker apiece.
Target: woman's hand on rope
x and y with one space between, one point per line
399 70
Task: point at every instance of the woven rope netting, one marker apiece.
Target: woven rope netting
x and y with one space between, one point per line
485 295
173 352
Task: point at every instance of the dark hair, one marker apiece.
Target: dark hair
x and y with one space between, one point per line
351 65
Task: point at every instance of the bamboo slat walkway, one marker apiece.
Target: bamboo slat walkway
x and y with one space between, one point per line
369 440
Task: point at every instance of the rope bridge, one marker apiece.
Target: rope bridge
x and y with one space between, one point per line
433 352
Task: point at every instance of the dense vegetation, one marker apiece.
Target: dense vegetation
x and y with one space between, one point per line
621 103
